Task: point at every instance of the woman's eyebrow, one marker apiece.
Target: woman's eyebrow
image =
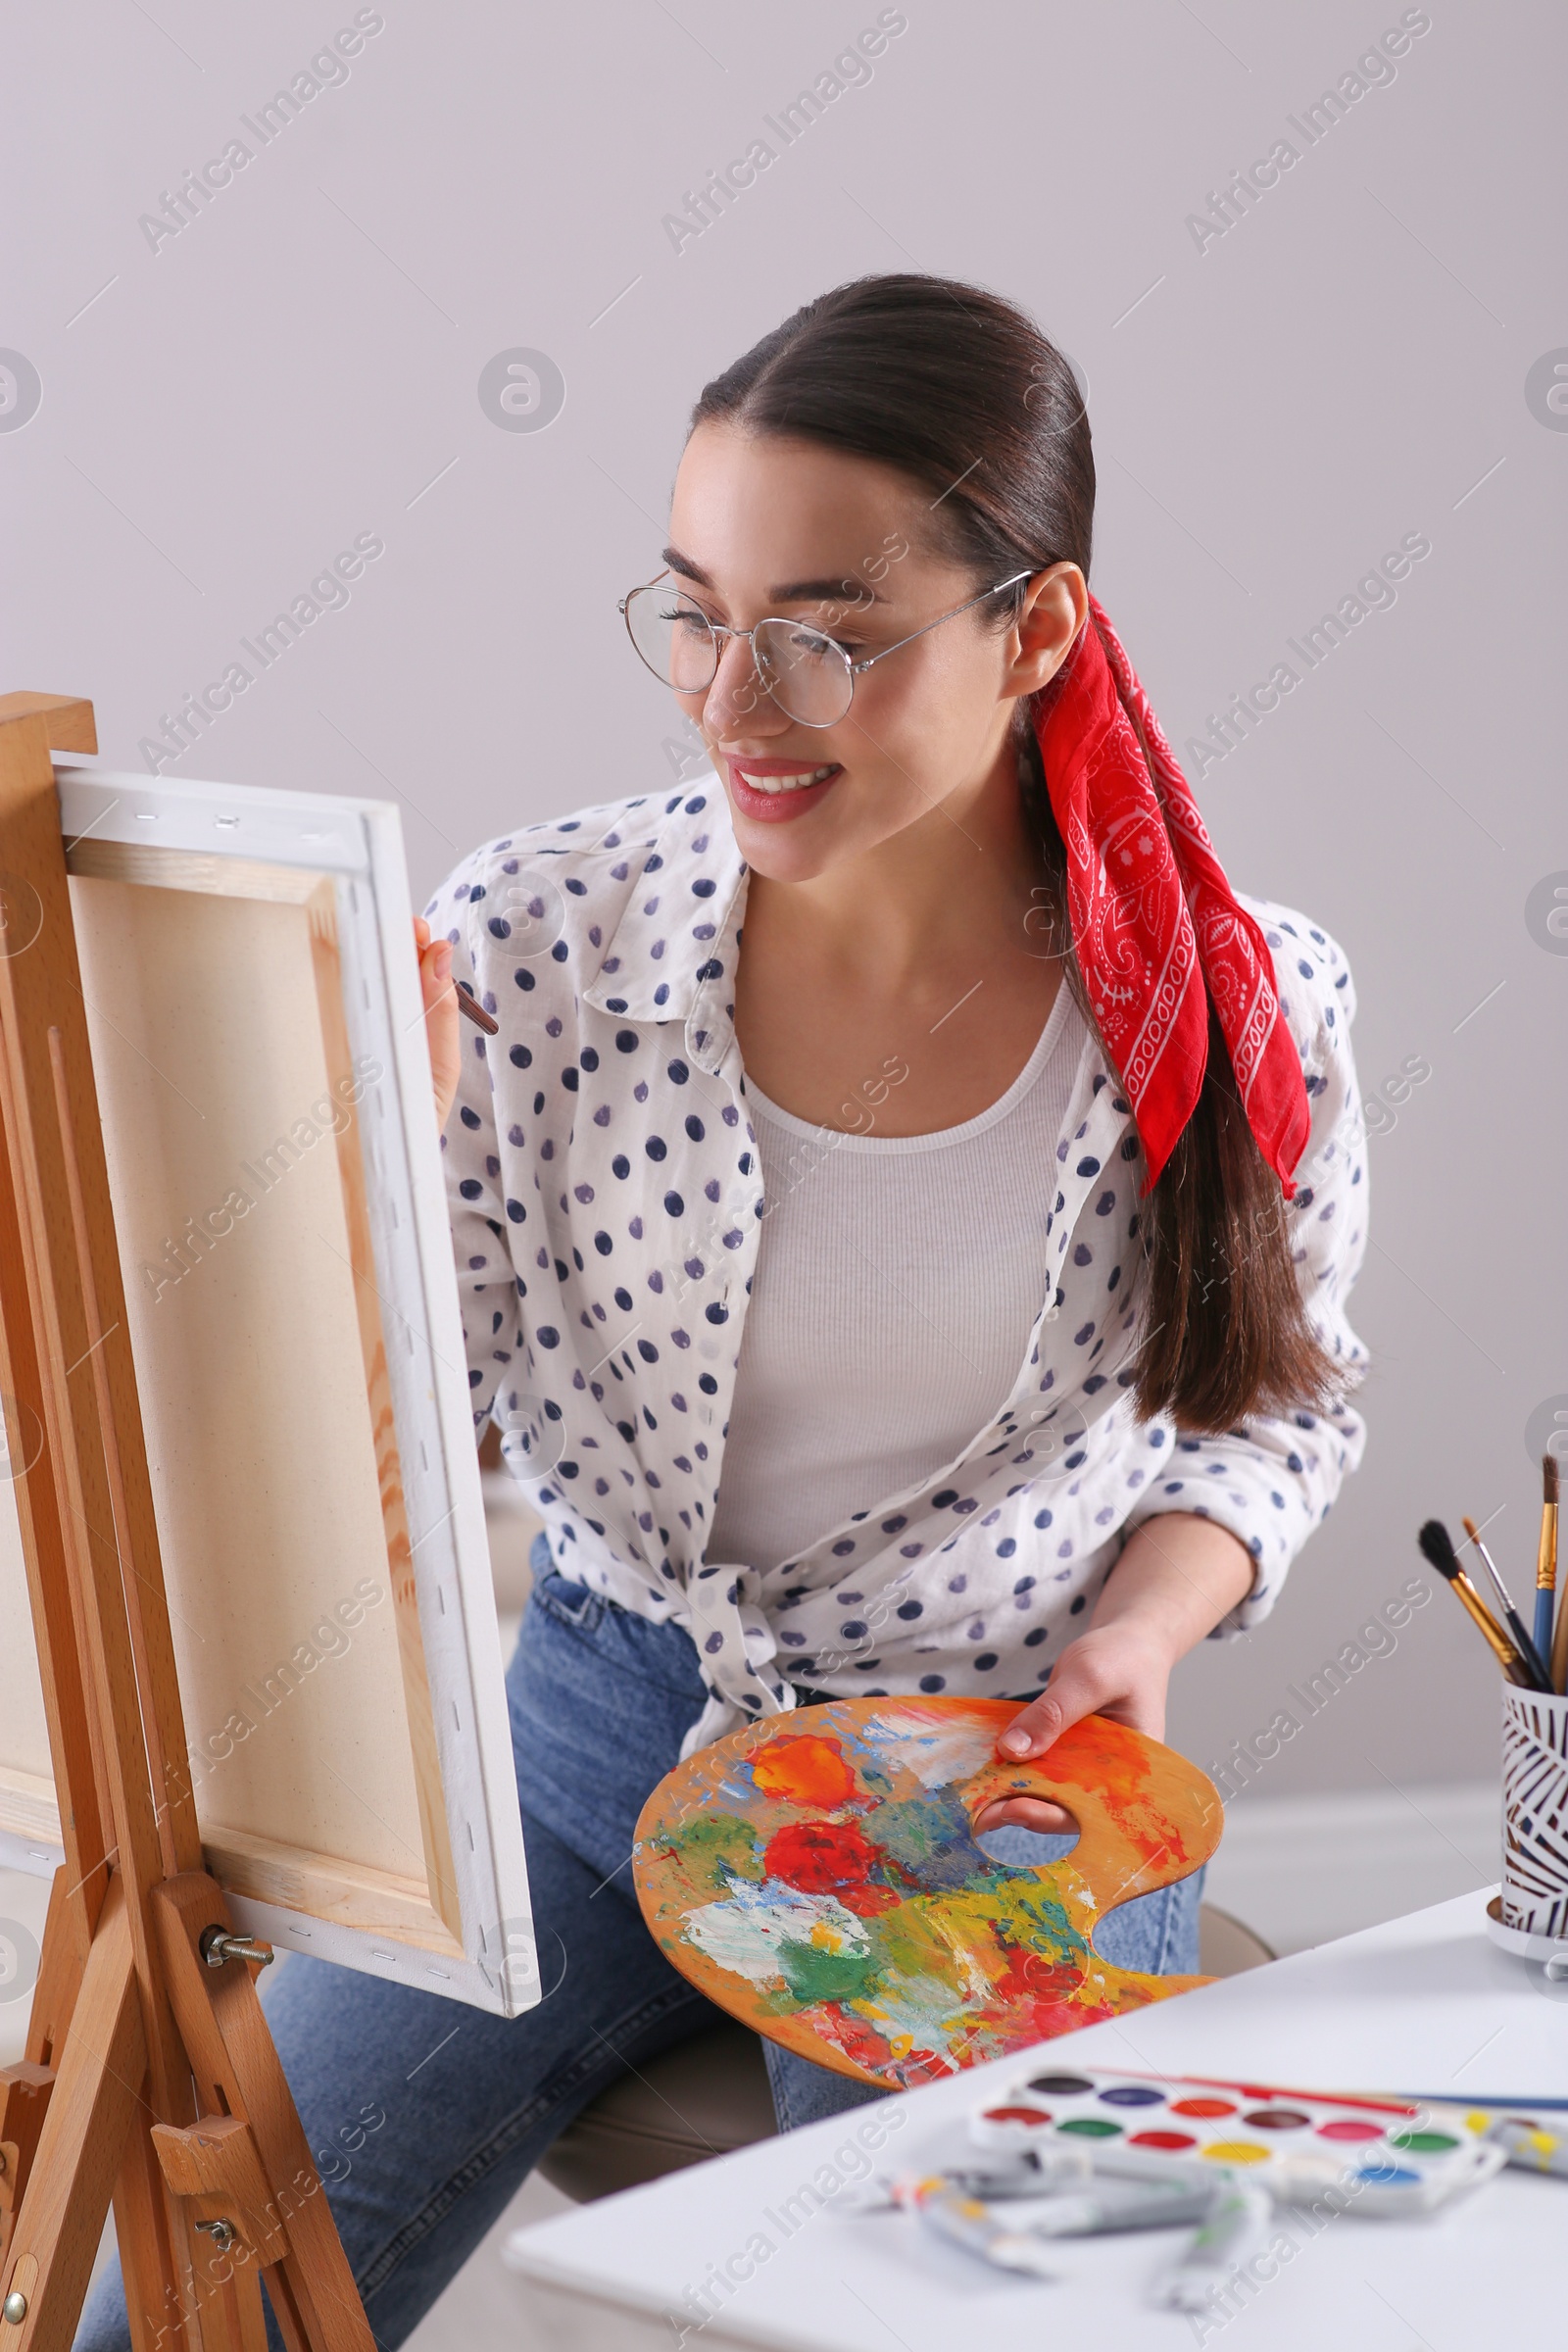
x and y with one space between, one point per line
857 591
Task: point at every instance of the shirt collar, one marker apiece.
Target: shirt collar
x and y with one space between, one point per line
678 929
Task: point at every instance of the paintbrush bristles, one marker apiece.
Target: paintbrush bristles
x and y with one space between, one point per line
1437 1546
1488 1562
1549 1478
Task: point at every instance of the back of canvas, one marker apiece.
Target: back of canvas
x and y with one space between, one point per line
220 1121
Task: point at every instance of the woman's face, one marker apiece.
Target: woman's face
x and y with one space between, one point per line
760 527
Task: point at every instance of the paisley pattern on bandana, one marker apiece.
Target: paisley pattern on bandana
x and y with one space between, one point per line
1157 932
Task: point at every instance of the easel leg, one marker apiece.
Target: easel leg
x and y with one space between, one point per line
238 2071
96 2093
218 2300
67 1938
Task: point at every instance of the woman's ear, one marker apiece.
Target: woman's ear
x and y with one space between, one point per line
1055 605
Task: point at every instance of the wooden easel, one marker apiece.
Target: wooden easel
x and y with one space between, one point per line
150 2077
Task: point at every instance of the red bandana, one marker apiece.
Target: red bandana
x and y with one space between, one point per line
1152 915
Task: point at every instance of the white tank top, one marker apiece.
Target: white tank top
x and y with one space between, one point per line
897 1283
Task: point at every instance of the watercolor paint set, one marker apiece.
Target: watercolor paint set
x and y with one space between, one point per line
1389 2156
1078 2152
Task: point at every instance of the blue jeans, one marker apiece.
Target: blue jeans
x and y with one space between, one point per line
600 1701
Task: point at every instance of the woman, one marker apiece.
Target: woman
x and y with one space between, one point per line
904 1221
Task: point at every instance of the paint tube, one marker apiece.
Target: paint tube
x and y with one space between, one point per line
1040 2168
1114 2163
1533 2146
1027 2176
965 2221
1109 2205
1238 2222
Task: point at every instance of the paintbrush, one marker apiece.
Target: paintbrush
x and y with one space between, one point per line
1437 1546
477 1013
1553 1641
1537 1664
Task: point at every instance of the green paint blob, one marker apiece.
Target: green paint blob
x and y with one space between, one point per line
1423 2144
1091 2127
813 1973
714 1848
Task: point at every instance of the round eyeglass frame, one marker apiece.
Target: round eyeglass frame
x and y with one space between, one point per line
718 629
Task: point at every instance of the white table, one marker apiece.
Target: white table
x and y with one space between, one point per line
1423 2004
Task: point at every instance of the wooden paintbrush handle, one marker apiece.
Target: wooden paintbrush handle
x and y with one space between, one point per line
1507 1657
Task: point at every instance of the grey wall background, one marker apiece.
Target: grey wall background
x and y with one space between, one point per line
1365 353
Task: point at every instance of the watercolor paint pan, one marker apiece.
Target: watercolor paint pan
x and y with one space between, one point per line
1534 2131
1390 2155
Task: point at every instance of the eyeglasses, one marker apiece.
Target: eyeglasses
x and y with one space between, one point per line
809 674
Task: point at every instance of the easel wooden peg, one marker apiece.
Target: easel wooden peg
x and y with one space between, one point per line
150 2077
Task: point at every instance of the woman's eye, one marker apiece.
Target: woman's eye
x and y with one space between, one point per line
807 642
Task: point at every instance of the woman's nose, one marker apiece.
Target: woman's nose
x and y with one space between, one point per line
737 696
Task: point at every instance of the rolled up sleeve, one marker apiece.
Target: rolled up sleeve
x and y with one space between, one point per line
1271 1481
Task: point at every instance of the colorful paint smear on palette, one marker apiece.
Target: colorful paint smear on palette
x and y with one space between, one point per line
1390 2155
818 1876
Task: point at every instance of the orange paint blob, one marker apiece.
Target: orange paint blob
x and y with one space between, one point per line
1093 1751
807 1771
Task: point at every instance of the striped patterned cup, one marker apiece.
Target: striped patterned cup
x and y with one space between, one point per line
1535 1812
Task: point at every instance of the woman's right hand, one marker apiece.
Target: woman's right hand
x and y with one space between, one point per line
442 1019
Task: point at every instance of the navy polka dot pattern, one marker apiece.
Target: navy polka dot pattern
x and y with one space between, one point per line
605 1194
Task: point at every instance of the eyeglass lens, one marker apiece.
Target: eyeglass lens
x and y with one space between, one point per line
804 672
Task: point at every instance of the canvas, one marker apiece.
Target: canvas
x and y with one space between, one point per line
256 1024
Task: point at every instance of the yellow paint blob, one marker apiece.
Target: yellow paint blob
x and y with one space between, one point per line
1237 2151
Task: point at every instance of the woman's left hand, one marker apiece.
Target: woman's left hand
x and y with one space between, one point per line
1177 1577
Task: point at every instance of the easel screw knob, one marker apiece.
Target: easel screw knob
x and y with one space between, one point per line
218 1946
14 2309
221 2234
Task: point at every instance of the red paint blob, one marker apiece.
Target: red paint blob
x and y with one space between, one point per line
1015 2115
1163 2140
824 1857
1029 1976
804 1771
1348 2129
1202 2107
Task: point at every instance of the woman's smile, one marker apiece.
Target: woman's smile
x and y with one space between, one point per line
772 791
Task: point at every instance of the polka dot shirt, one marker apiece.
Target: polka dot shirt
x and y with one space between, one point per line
606 1198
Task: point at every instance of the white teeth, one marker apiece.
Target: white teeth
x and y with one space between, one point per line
812 775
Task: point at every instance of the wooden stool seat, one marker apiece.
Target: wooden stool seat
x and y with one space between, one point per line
706 2097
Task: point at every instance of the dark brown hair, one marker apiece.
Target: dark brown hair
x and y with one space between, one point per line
959 390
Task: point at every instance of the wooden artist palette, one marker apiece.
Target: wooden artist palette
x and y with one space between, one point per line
817 1875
